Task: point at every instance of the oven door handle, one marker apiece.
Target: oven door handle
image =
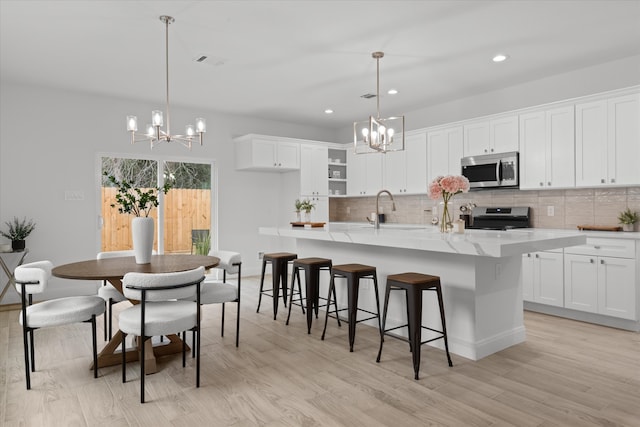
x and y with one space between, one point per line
499 171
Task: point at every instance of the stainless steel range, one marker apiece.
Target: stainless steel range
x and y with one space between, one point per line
500 218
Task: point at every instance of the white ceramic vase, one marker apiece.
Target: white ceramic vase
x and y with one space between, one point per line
628 227
142 229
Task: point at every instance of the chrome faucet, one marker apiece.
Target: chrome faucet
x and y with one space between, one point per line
376 220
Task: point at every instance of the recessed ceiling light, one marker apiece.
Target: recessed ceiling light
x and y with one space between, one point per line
328 111
500 57
392 91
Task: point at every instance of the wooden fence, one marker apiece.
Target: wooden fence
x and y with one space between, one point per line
185 210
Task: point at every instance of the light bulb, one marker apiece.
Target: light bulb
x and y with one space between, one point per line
150 130
201 125
156 118
190 130
132 123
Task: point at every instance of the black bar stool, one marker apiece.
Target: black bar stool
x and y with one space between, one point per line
353 273
413 284
279 264
312 268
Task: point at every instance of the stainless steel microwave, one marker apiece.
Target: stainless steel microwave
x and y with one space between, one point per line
499 170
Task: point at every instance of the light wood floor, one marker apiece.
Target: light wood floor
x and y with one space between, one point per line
567 373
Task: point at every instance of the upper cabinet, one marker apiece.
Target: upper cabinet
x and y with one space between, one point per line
313 170
406 171
365 174
266 153
547 149
444 151
608 142
499 135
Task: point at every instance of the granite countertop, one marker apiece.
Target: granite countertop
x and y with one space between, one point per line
491 243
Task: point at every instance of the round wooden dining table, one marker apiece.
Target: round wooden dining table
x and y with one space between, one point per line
113 270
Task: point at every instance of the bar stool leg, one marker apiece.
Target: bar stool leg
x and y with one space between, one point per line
384 320
444 326
312 276
295 274
276 276
264 267
406 296
283 266
375 288
353 285
415 336
332 288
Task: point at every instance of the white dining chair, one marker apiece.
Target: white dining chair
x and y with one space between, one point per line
33 278
215 291
163 310
109 294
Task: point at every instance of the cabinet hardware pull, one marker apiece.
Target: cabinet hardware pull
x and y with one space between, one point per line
602 181
596 247
549 183
537 255
613 180
601 261
591 260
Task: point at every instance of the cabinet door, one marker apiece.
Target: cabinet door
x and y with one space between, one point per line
548 278
321 212
313 170
288 155
624 140
416 163
503 135
591 144
357 175
444 151
527 277
373 177
581 283
476 138
264 153
616 287
395 170
532 151
560 147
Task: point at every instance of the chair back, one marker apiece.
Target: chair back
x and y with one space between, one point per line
37 272
162 286
118 254
229 261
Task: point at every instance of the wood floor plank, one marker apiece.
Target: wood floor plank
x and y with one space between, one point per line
566 373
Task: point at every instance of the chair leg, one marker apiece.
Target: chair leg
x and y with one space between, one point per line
332 289
444 326
26 356
193 342
238 322
384 320
142 373
124 357
222 324
264 268
110 318
105 319
184 349
295 271
95 346
32 351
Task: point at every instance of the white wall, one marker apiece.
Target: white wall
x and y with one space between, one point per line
49 140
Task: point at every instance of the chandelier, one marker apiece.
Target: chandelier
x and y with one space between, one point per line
153 132
378 134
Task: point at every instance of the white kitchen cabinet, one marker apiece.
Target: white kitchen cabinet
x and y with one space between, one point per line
444 151
547 149
542 278
313 170
499 135
607 135
365 173
266 153
600 277
406 171
321 211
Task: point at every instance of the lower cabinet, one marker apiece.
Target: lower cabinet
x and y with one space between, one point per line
599 284
542 278
600 277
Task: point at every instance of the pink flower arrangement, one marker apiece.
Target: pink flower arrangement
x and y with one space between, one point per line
448 186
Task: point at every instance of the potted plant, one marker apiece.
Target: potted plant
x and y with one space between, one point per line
298 209
18 230
131 200
307 206
628 218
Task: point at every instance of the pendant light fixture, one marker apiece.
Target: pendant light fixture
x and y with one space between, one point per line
378 134
153 131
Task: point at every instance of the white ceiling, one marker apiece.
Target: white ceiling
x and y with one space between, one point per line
290 60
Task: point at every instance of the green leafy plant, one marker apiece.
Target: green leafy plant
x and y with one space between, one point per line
135 201
628 216
298 205
202 244
19 229
306 205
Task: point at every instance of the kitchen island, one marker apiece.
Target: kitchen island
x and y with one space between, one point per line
479 271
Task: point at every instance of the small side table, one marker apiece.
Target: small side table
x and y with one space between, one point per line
9 272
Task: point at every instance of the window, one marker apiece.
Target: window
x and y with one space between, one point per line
184 213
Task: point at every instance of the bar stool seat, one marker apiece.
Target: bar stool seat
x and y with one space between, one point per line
414 284
353 273
311 267
279 265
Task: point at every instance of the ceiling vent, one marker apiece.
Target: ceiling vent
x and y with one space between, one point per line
368 96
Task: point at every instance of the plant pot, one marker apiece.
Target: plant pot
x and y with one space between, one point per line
142 233
627 227
18 245
306 216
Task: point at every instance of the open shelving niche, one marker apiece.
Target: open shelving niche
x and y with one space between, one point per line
337 165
